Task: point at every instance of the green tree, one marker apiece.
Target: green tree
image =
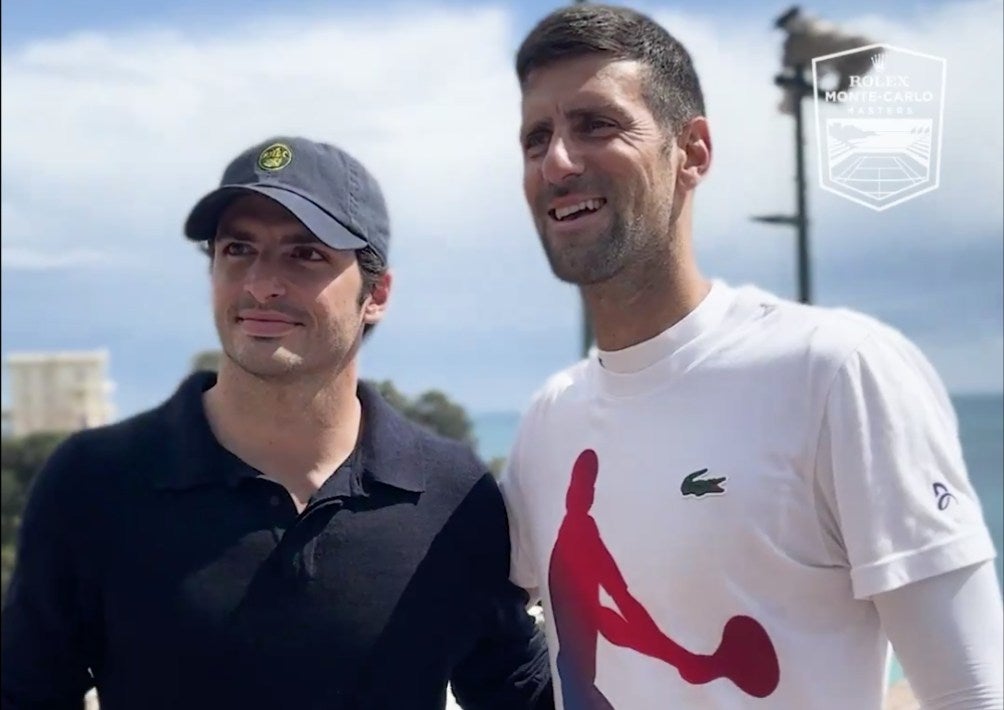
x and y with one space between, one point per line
207 360
20 460
392 395
497 465
12 494
433 410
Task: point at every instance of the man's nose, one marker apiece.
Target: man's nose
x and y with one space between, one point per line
561 161
263 281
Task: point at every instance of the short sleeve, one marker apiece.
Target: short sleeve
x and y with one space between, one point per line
891 470
523 569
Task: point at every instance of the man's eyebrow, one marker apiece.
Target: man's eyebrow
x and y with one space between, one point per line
586 110
592 109
296 238
235 234
535 126
302 238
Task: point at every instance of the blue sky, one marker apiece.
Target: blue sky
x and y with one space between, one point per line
28 20
116 116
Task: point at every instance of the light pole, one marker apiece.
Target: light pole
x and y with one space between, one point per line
797 88
806 39
587 326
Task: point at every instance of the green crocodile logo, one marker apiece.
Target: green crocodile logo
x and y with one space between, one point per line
695 486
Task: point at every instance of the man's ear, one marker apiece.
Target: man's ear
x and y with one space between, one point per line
376 302
694 142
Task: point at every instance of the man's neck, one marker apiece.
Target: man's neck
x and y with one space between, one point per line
638 304
287 429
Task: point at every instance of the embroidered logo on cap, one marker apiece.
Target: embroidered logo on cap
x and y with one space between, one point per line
275 157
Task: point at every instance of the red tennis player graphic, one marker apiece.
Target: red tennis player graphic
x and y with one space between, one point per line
581 565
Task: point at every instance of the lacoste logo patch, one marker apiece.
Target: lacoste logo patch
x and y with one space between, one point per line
694 485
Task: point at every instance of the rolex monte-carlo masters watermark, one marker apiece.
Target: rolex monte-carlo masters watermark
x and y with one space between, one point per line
879 132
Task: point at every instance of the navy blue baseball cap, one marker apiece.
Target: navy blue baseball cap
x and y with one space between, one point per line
324 187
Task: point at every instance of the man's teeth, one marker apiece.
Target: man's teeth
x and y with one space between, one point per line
591 205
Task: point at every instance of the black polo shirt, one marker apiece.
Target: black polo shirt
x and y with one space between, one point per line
160 567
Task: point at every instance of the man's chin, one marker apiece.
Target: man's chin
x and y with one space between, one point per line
568 276
577 271
279 363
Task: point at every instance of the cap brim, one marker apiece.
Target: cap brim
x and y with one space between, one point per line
205 216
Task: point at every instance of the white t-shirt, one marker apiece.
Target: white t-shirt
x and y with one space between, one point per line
761 469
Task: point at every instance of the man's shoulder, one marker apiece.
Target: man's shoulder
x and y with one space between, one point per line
141 440
453 472
562 386
456 454
828 333
90 468
562 394
440 458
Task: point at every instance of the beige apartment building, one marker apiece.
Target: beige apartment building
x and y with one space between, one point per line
58 391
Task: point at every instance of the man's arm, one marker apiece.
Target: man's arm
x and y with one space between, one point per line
44 630
896 501
948 634
523 568
508 669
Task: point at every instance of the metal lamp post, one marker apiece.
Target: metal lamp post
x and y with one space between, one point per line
806 38
587 326
798 88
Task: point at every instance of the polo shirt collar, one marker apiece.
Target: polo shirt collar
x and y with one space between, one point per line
391 446
199 459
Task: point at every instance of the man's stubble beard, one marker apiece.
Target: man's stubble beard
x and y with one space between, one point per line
285 366
279 365
626 246
588 263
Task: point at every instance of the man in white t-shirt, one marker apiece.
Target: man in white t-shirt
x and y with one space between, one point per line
736 501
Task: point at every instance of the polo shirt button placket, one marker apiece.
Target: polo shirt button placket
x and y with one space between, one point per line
310 553
278 518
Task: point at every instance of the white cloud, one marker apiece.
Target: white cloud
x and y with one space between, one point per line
132 129
126 130
35 260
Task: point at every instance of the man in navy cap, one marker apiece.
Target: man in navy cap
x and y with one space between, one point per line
274 535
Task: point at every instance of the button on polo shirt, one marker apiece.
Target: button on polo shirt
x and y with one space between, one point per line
179 576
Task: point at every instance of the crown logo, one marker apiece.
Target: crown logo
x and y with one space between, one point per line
878 62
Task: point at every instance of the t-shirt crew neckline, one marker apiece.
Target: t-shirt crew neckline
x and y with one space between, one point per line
639 367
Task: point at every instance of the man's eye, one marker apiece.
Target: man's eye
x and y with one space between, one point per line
598 124
307 254
534 142
236 249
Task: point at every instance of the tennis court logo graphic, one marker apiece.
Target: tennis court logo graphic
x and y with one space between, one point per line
879 130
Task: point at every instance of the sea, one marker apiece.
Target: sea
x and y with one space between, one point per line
981 429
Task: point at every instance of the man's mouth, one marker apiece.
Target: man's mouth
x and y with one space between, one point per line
573 212
265 325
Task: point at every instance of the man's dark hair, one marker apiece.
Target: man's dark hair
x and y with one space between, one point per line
671 87
371 266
